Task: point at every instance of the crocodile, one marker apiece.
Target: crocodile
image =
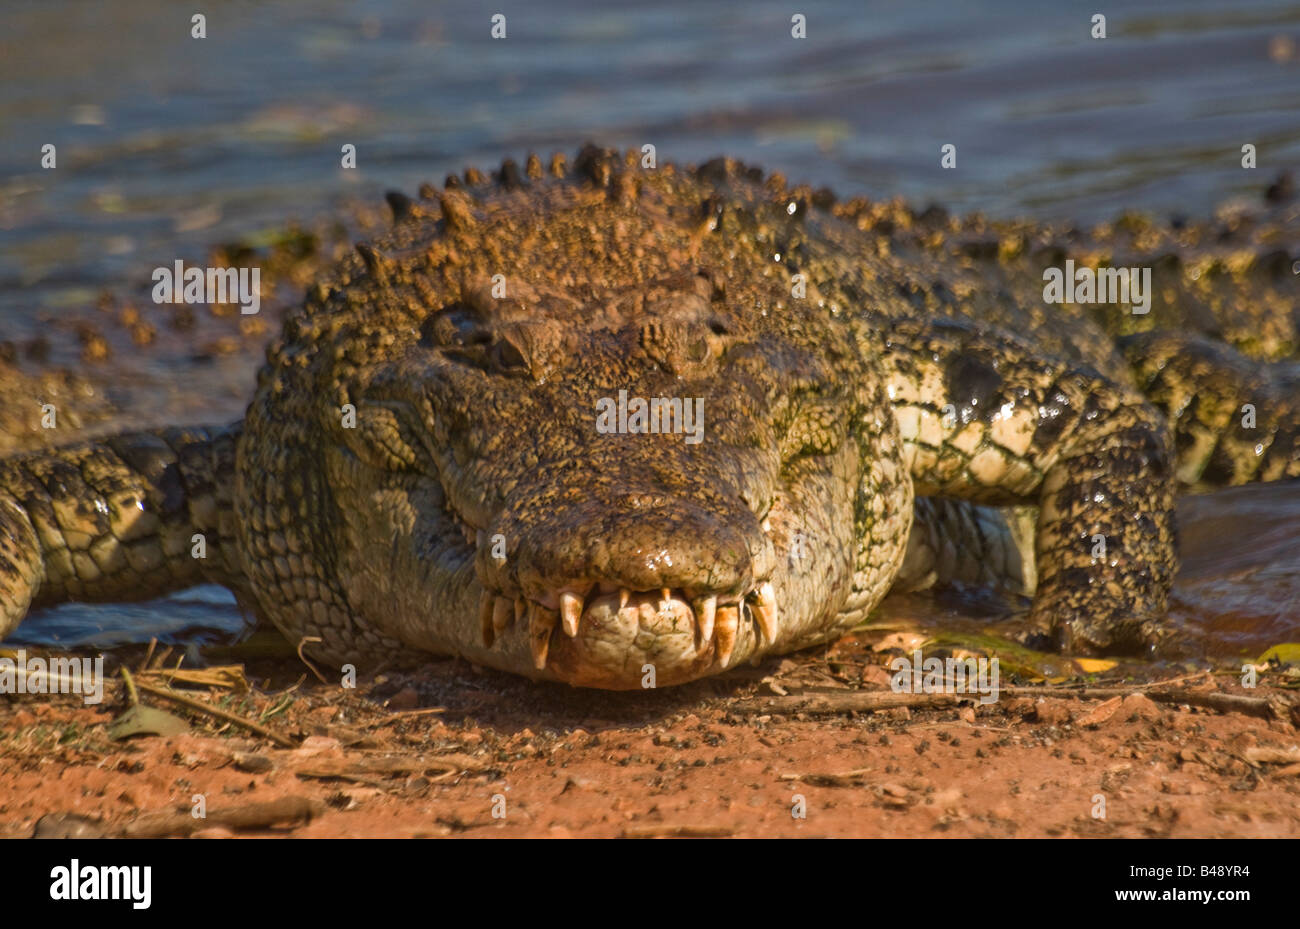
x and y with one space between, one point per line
584 419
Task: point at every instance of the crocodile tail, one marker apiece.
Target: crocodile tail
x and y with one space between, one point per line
1235 420
129 517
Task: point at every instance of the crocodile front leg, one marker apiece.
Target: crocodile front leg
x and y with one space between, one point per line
983 418
125 518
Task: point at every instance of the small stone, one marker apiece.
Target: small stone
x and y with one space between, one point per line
1100 713
252 763
1136 707
1051 712
408 698
67 826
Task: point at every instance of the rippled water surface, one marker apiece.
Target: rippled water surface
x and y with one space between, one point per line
168 144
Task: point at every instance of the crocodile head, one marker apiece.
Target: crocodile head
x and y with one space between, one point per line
583 447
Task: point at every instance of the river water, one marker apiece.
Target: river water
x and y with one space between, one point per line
167 143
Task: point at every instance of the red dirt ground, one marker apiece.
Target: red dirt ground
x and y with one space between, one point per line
440 752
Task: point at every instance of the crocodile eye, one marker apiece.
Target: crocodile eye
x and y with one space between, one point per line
507 356
454 326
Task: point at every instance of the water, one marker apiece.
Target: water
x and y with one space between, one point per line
206 613
167 144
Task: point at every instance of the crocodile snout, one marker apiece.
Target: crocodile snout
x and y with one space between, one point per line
618 589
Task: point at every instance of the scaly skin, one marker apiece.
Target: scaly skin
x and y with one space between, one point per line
896 420
115 520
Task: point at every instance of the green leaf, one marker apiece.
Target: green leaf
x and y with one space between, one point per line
145 720
1286 653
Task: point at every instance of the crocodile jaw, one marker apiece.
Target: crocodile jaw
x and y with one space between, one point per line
600 624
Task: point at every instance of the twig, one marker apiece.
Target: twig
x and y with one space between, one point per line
668 831
306 640
130 686
327 768
867 701
1224 703
1067 689
249 816
1177 680
956 724
195 704
424 711
842 779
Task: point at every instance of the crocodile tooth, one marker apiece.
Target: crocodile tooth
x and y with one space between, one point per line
521 607
540 623
705 608
485 602
624 595
728 628
571 610
665 598
502 611
765 611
